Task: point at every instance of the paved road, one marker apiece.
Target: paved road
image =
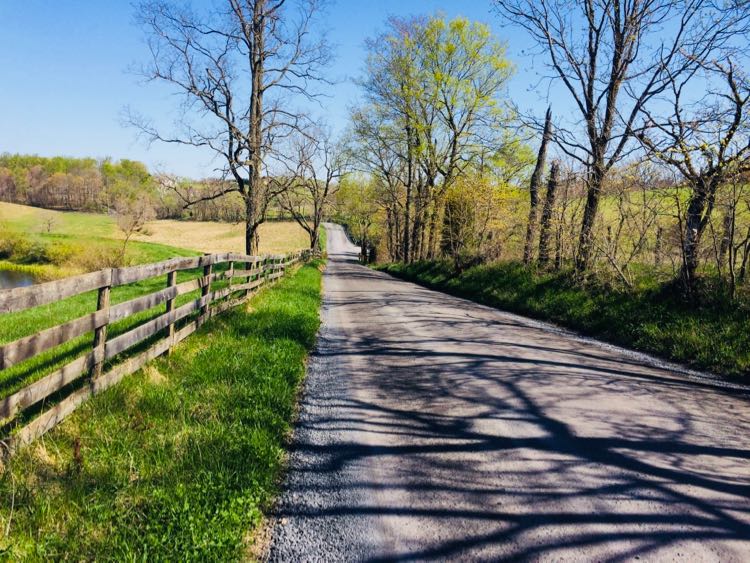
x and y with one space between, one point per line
432 428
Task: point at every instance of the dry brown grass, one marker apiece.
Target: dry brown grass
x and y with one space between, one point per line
202 236
211 236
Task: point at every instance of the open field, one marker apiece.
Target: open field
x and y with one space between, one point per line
57 244
212 236
179 458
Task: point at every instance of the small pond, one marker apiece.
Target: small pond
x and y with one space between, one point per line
10 279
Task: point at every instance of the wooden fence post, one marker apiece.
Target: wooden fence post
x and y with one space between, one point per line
171 282
100 333
249 266
229 274
205 289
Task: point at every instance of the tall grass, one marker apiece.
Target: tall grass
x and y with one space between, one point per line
179 460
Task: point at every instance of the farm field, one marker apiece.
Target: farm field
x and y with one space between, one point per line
57 243
212 236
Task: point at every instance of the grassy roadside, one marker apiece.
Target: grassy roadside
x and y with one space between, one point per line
712 336
323 239
180 458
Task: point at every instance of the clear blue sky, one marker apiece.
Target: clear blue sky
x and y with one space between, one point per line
64 77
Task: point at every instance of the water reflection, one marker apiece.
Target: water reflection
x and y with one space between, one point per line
10 279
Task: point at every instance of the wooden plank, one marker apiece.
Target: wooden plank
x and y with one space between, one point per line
242 257
186 331
140 333
222 293
206 289
49 419
29 346
249 285
188 286
128 308
122 276
246 273
20 298
226 305
45 387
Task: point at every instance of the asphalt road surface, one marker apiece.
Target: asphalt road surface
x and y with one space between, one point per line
432 428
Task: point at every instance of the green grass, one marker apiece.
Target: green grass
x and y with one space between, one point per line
710 334
59 255
178 460
28 219
323 239
30 321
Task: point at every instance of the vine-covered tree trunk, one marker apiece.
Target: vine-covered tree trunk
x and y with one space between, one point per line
536 179
549 205
698 211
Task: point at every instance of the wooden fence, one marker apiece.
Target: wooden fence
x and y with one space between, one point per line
108 361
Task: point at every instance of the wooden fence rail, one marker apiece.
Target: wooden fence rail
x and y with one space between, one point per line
67 387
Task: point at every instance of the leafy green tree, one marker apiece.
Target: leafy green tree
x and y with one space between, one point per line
434 107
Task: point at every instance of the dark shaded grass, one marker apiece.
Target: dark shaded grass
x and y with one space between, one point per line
707 333
179 460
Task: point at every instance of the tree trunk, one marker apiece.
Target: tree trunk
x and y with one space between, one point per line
549 204
558 248
727 235
586 240
406 233
251 238
657 246
415 230
695 224
434 233
536 179
745 257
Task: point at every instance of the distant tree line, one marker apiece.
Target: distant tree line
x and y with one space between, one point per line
73 184
102 185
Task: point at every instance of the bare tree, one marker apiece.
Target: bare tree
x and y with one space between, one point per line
132 215
239 65
313 181
536 180
707 141
611 56
635 207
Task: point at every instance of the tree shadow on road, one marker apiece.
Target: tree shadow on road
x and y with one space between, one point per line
515 443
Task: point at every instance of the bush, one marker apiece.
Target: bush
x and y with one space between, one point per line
22 249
